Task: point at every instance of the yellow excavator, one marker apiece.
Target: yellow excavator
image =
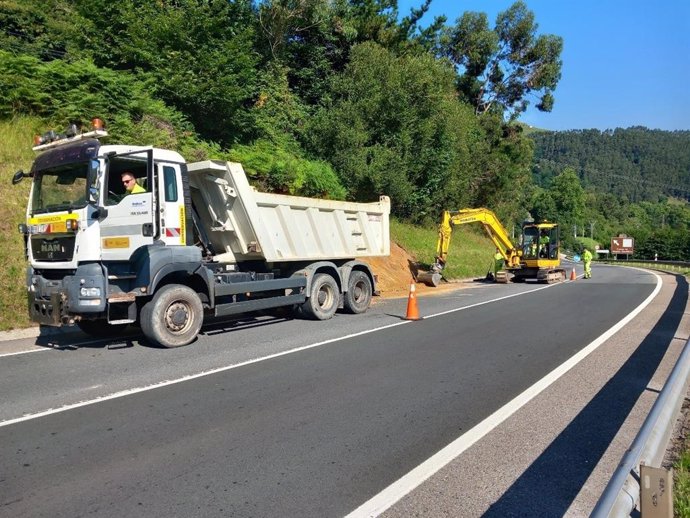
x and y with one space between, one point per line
537 257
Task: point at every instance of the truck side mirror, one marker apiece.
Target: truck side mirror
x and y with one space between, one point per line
93 178
18 176
99 214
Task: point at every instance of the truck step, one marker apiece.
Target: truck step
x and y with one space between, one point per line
121 297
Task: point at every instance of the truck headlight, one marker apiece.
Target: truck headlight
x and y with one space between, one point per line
90 292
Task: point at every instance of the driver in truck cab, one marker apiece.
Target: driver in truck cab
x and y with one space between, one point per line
130 183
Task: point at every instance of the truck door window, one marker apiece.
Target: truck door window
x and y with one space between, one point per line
116 167
170 183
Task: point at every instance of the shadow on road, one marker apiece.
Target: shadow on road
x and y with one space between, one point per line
549 486
72 338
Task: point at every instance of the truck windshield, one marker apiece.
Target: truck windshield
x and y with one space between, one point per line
60 188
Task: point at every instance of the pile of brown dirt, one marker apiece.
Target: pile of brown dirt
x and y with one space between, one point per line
395 273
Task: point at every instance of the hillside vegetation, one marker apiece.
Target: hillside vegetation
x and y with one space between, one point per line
634 164
626 181
15 153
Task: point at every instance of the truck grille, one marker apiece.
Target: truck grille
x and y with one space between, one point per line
58 248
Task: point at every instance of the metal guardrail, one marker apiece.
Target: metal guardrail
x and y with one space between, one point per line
665 265
623 490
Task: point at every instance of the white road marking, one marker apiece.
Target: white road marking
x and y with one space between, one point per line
41 348
36 349
407 483
491 300
26 351
189 377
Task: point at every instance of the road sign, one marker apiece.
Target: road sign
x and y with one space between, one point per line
622 245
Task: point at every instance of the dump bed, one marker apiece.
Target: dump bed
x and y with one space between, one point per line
244 224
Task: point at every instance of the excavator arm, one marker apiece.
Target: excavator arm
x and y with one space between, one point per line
493 227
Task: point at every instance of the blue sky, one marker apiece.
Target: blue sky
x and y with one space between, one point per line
625 62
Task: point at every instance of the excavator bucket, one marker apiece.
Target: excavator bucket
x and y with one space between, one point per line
430 278
503 276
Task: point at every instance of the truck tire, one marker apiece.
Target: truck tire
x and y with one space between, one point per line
324 297
173 317
357 298
100 328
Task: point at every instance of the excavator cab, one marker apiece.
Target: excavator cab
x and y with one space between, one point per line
540 253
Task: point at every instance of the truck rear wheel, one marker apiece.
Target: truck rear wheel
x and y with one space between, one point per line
173 317
323 298
357 298
100 328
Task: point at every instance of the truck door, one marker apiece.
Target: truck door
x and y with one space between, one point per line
130 221
171 204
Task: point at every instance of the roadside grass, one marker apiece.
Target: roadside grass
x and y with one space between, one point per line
681 485
16 136
470 254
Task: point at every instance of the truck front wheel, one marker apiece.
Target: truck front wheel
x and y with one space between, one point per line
358 295
323 298
173 317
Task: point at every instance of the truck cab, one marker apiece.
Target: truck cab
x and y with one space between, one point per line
83 228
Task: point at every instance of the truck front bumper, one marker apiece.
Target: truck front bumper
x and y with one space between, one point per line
57 300
47 311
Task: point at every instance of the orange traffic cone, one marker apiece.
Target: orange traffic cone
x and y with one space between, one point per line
572 275
412 310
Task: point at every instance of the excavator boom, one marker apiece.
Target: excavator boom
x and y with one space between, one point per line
496 231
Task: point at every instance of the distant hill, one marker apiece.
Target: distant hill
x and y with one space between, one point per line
637 164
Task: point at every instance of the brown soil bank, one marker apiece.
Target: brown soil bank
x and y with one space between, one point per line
395 273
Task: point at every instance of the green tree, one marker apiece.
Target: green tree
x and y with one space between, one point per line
197 56
502 67
312 39
569 197
61 93
39 29
544 206
637 164
396 128
503 182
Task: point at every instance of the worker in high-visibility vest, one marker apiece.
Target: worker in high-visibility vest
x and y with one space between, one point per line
544 244
498 262
131 185
587 258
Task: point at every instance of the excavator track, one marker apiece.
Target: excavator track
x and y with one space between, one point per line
551 276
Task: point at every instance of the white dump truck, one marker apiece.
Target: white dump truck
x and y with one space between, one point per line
191 240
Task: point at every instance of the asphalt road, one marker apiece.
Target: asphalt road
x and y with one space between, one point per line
277 417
